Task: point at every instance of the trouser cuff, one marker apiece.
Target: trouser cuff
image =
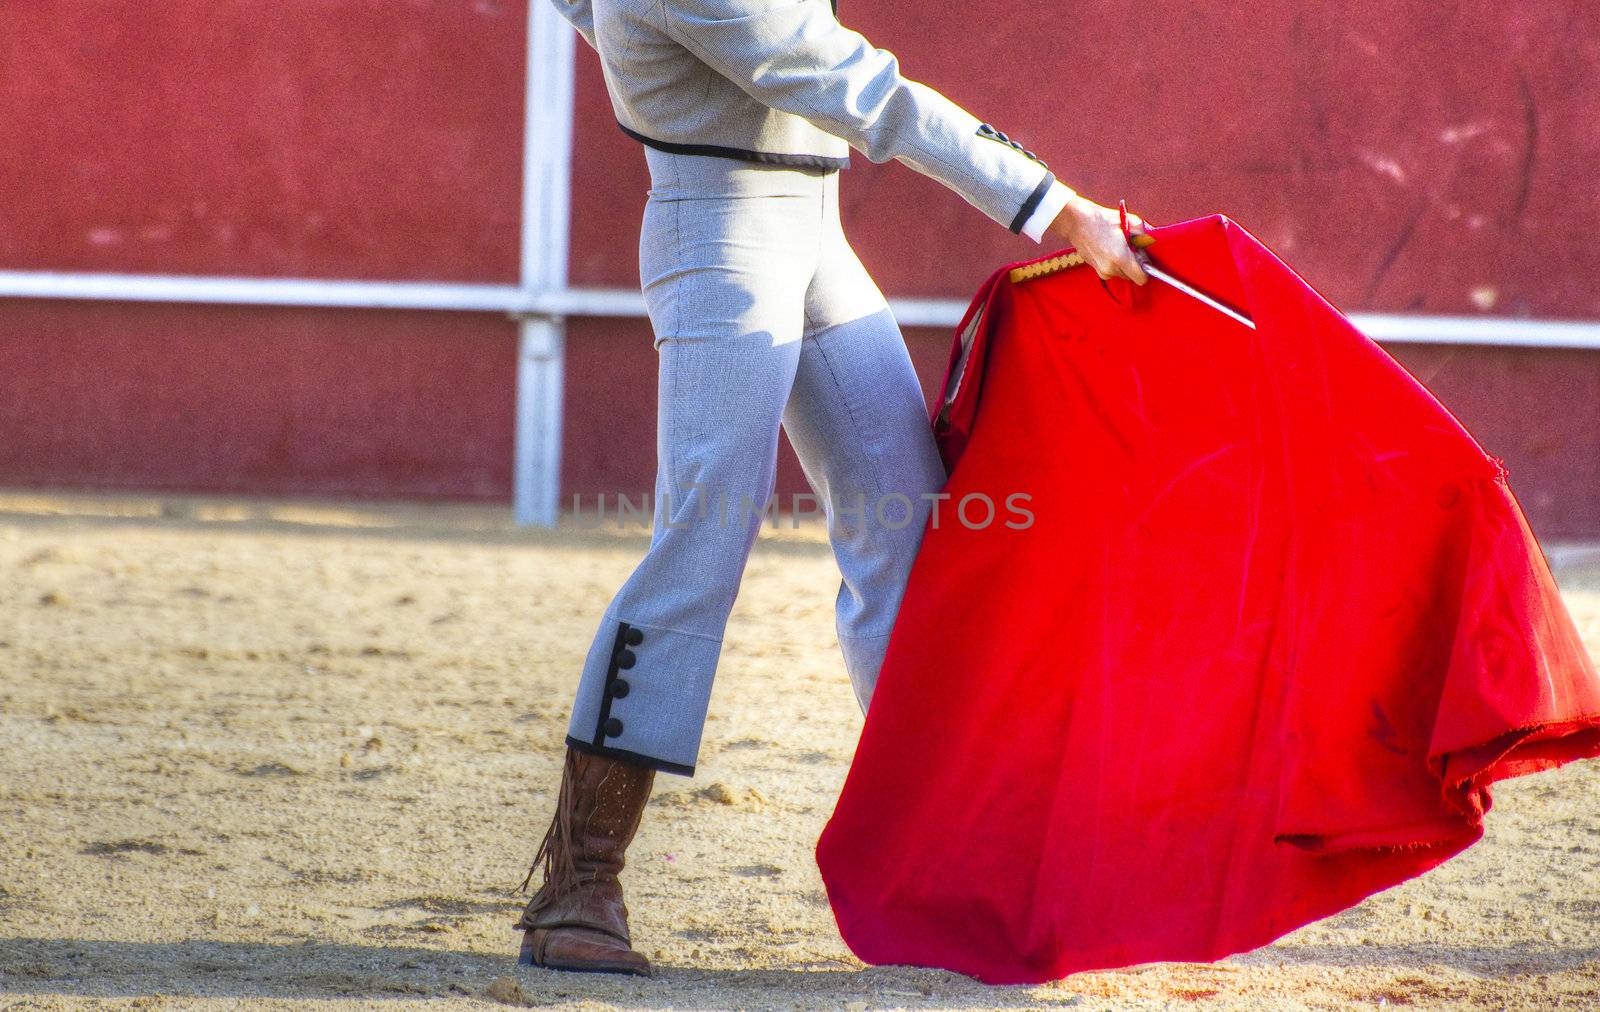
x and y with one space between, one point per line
644 694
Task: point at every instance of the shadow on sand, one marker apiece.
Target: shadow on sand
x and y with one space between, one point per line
325 971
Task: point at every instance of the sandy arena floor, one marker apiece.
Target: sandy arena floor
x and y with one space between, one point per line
286 755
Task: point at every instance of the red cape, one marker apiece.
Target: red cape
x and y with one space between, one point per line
1277 624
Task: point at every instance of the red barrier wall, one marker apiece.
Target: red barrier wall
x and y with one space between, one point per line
299 138
250 399
1402 157
329 139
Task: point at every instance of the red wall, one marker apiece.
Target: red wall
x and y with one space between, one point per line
332 139
1403 157
1398 154
298 138
252 399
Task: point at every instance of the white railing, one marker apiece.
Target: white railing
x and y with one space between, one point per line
560 302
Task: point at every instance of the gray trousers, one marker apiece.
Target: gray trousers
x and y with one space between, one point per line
763 316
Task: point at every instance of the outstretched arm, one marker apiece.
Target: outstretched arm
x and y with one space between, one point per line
579 14
794 55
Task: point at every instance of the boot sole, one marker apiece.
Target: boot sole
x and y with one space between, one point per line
525 958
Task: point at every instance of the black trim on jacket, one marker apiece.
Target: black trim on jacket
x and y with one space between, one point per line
1032 202
764 157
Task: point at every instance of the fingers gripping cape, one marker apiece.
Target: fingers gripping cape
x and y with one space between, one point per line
1276 625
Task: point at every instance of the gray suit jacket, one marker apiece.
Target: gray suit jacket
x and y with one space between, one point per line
782 81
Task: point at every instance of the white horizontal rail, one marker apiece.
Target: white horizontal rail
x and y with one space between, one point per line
377 295
626 302
622 302
1490 330
260 291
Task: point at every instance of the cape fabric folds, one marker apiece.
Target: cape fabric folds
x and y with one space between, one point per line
1275 625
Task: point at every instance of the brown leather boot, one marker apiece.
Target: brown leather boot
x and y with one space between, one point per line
577 920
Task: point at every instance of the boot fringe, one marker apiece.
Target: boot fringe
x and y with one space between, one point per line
554 856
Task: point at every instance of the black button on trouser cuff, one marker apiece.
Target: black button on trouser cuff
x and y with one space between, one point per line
644 693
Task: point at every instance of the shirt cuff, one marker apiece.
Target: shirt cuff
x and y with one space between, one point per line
1050 205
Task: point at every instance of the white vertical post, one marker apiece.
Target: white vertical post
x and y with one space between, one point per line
546 216
538 437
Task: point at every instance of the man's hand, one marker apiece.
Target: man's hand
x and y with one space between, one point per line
1096 232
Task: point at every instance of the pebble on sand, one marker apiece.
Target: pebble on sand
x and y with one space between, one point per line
506 991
